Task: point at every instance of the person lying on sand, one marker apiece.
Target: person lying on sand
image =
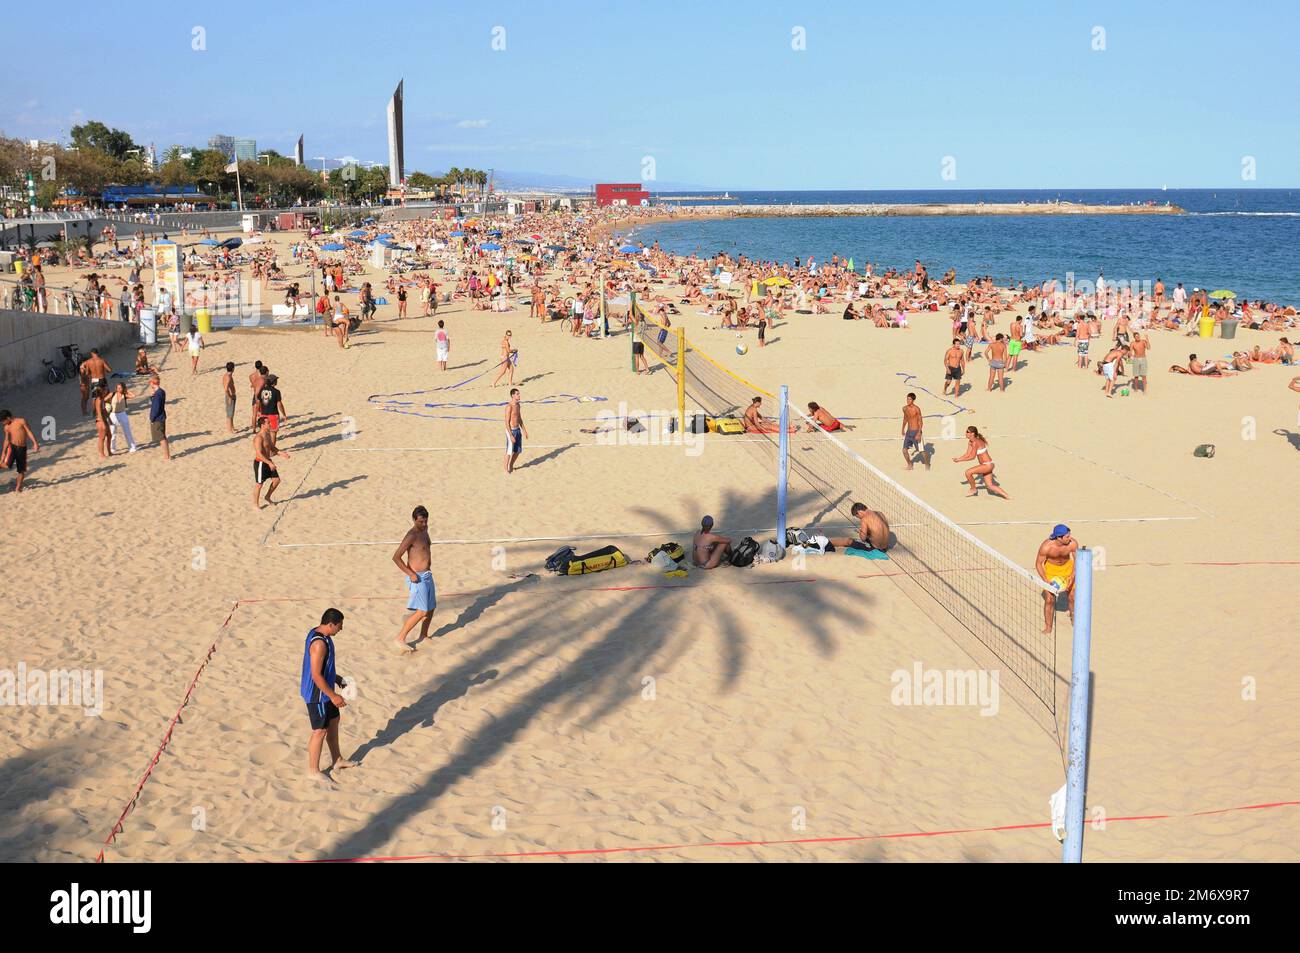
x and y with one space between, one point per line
1202 368
824 419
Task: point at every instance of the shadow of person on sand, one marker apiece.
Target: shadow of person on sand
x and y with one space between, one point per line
1291 437
545 458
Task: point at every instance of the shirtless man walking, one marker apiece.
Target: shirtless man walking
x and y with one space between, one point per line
708 549
954 362
1055 566
873 530
1082 332
412 557
13 449
515 430
996 353
913 437
264 454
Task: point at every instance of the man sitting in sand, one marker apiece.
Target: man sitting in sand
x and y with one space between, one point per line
319 681
412 557
755 422
708 549
873 531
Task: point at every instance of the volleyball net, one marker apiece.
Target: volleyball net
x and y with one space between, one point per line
992 600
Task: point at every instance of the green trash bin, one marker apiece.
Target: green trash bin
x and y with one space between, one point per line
1228 328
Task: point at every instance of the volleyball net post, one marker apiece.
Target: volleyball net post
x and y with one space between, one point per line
1076 775
604 317
631 313
782 470
681 379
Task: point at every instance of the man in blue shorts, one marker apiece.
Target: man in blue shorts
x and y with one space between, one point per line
413 558
515 430
319 680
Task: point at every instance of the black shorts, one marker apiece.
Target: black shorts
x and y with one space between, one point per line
322 713
954 374
17 459
638 347
263 472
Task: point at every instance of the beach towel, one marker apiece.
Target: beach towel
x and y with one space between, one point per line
865 553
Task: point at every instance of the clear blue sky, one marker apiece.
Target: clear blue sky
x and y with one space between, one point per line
1014 91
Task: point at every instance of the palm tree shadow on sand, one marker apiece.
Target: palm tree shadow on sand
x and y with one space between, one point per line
605 676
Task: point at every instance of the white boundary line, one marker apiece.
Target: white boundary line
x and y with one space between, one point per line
688 532
970 537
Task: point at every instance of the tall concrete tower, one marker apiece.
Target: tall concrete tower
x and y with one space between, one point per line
396 154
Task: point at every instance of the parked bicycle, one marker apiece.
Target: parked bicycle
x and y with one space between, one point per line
53 373
71 359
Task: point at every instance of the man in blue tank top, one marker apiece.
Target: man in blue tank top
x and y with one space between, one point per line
319 680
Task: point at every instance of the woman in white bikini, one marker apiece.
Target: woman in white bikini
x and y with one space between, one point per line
977 449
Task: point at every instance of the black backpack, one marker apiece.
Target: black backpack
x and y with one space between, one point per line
743 555
559 560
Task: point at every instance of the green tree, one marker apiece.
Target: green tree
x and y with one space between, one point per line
96 135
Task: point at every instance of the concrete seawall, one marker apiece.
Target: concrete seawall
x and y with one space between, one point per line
27 338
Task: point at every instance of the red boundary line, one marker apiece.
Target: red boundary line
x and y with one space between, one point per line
774 843
167 736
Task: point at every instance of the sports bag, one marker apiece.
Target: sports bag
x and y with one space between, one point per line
609 557
559 560
743 555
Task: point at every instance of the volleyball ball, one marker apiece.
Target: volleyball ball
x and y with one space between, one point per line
742 349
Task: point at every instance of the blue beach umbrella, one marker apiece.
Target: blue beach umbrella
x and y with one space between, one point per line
357 233
491 246
457 234
332 246
209 241
494 234
630 249
556 248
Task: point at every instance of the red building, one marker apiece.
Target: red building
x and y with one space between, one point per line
622 193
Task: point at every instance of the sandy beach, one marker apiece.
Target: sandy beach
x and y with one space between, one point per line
628 715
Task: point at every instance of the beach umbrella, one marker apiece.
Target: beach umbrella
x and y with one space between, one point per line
537 238
231 243
777 281
367 221
491 246
1223 293
332 246
630 249
357 233
556 248
494 234
458 234
209 241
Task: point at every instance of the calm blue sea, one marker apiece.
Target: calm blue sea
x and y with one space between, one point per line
1247 240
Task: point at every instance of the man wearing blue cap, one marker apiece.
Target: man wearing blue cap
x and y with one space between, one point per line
708 550
1055 566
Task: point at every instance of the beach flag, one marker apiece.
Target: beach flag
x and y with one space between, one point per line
233 167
